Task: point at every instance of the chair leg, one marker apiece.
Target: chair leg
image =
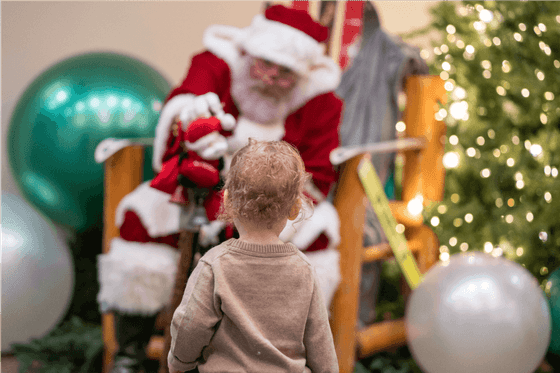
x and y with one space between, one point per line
122 175
350 202
186 247
133 333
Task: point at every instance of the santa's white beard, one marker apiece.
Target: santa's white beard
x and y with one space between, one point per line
251 102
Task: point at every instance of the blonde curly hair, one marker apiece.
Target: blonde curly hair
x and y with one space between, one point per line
265 179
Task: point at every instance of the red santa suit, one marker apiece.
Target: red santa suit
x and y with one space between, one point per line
310 123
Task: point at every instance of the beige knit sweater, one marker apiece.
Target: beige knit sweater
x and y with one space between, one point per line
252 308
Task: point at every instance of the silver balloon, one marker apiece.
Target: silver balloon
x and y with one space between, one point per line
478 314
37 274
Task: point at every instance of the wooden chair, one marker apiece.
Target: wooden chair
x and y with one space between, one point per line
423 175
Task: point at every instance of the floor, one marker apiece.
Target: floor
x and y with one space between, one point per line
9 364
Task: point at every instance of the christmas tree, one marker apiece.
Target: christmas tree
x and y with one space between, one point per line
501 66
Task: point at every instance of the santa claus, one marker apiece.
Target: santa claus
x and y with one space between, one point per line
275 80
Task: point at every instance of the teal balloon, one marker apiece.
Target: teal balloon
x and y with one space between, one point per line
552 289
64 114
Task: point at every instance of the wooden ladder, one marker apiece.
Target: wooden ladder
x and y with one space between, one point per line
423 175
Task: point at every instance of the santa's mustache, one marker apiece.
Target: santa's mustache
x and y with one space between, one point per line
269 92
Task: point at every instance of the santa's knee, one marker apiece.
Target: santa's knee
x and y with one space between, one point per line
136 278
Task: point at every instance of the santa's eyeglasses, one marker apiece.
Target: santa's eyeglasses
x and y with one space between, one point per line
269 72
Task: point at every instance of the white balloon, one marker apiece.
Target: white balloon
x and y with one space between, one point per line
478 314
37 274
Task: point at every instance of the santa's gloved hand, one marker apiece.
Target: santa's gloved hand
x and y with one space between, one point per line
303 232
206 105
188 107
208 234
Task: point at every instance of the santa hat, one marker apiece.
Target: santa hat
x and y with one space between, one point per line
200 128
202 131
285 36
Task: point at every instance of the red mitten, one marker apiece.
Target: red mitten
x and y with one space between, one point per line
201 173
166 180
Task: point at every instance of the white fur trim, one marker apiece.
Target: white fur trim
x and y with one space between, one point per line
159 216
321 76
205 141
222 41
216 151
246 129
324 220
171 109
327 267
137 277
208 234
108 147
293 226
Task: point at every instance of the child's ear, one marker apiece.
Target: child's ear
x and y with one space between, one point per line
294 211
225 200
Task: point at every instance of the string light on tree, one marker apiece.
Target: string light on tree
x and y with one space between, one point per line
536 150
499 202
416 205
434 221
498 251
451 160
486 16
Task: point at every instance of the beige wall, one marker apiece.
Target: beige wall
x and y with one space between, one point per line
36 35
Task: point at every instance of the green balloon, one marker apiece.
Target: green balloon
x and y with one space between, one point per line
552 290
62 117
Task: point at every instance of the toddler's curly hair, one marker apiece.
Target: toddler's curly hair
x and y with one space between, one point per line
265 179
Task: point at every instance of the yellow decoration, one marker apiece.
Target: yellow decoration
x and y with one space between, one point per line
397 241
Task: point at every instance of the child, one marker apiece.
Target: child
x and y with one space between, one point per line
252 304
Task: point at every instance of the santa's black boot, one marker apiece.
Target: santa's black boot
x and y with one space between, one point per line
133 333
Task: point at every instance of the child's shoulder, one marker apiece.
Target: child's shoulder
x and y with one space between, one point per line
304 258
215 252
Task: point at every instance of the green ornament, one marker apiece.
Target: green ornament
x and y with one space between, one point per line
61 118
552 289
